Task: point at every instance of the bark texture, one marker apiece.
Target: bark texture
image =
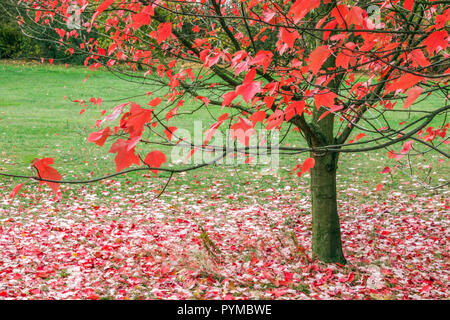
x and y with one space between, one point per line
326 240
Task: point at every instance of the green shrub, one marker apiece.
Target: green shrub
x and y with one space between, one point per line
10 41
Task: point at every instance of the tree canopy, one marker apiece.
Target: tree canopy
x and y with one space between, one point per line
334 71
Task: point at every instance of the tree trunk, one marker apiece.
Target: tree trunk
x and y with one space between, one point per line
326 239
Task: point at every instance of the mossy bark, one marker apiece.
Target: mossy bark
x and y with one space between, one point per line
326 238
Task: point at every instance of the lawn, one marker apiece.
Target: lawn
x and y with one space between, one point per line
38 119
114 240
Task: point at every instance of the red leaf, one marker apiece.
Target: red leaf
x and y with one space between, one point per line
258 116
169 132
394 155
212 130
100 137
301 7
436 41
264 58
171 113
418 58
249 88
212 59
340 13
16 190
318 57
155 159
228 98
60 32
117 111
102 7
307 165
45 171
275 119
294 108
386 170
164 32
359 136
288 277
351 277
324 98
407 147
143 17
155 102
413 94
356 16
346 56
98 101
242 130
403 83
288 36
135 119
408 4
125 157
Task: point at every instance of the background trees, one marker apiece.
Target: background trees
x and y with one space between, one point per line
327 69
30 40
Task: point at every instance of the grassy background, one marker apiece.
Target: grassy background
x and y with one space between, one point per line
37 121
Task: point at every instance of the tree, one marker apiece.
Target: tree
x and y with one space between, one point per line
327 68
29 40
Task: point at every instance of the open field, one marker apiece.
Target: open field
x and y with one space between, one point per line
38 120
114 240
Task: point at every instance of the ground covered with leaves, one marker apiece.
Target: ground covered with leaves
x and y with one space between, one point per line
239 233
217 245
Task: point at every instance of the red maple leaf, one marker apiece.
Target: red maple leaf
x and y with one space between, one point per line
413 94
258 116
418 58
135 119
263 58
404 82
100 137
212 130
436 41
155 159
45 171
301 7
324 98
16 189
164 32
288 36
275 119
318 57
408 4
125 156
102 7
294 108
142 18
242 130
346 56
307 165
249 88
169 132
228 98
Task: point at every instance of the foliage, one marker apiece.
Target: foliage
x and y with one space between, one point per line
9 41
313 80
13 44
32 44
85 248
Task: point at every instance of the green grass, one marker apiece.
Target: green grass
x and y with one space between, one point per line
37 121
